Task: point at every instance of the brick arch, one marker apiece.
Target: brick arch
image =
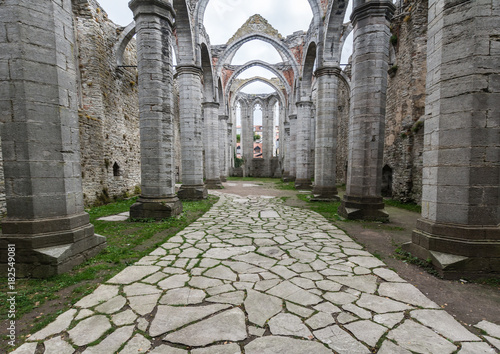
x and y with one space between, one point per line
262 64
257 79
235 46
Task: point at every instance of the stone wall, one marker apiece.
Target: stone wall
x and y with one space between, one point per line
406 104
108 115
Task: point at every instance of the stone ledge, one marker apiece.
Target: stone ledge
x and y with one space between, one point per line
156 209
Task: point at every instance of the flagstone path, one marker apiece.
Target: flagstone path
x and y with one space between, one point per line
258 277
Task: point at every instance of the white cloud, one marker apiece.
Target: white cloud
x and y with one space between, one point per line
258 88
224 17
256 50
118 11
256 71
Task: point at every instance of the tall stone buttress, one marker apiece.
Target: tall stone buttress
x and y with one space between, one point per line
46 224
212 168
363 198
285 150
303 178
189 82
459 230
325 166
154 19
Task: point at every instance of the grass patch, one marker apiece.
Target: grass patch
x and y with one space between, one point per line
127 242
327 209
407 257
407 206
253 179
287 186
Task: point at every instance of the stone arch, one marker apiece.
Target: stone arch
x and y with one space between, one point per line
233 48
347 31
335 29
123 40
262 64
201 6
183 34
208 77
258 79
308 72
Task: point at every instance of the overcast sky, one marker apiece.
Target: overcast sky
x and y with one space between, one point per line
224 17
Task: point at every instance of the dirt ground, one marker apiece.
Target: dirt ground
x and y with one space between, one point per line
467 302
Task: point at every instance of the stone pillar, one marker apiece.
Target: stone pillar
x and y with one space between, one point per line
46 225
153 20
267 138
189 82
212 169
292 153
247 138
223 147
459 230
230 148
285 150
303 146
325 152
363 198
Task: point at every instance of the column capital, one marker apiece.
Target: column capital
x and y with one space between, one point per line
327 70
210 105
366 8
223 117
161 8
188 69
292 116
230 125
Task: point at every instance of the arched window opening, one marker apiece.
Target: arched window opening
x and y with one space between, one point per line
117 172
257 131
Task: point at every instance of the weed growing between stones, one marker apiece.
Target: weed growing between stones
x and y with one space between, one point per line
40 301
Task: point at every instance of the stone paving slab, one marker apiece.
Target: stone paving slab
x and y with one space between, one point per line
256 276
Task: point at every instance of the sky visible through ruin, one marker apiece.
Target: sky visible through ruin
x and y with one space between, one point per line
224 17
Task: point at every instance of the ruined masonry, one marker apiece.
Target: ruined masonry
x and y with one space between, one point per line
88 112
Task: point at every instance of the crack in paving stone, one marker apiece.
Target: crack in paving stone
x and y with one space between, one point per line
253 274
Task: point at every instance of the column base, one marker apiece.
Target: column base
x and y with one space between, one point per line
214 184
303 184
155 208
457 251
48 247
223 178
363 208
288 178
325 194
192 192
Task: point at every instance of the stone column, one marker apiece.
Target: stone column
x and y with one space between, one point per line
153 20
46 225
303 178
285 150
212 169
459 230
267 138
325 152
223 147
247 138
189 82
363 198
230 148
292 153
